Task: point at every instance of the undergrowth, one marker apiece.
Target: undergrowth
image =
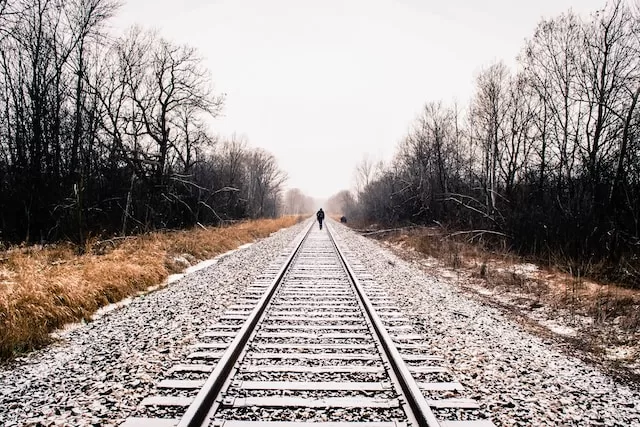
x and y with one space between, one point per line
558 285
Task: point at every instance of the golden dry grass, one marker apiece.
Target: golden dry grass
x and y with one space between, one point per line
552 287
454 252
41 289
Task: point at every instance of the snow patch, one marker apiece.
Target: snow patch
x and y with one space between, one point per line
448 274
483 291
622 352
564 330
107 308
526 269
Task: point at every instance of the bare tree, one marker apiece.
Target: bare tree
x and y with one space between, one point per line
297 203
343 203
490 111
265 181
517 144
607 65
365 172
550 61
171 78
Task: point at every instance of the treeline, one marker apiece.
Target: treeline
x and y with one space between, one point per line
295 202
342 203
102 135
545 157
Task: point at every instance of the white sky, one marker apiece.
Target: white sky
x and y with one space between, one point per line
320 84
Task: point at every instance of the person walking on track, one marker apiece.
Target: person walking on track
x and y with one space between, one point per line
320 217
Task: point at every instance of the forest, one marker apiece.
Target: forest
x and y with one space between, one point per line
104 134
544 158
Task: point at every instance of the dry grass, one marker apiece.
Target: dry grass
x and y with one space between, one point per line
41 289
606 304
454 252
597 321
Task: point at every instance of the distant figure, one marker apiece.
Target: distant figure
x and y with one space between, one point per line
343 219
320 217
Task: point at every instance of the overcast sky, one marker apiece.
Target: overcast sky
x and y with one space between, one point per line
320 84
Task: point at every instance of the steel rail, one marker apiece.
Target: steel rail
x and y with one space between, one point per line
198 412
418 404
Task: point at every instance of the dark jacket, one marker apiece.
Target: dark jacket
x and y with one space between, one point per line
320 215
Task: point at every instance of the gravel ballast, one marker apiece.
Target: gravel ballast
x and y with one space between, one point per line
98 373
520 379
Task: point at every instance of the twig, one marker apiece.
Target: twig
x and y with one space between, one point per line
112 241
389 230
184 181
460 202
212 210
478 233
226 189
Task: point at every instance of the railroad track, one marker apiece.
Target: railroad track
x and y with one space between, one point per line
313 340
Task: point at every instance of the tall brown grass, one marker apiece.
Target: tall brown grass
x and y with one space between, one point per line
42 289
556 286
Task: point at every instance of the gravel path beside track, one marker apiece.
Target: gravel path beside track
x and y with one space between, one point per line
98 373
519 379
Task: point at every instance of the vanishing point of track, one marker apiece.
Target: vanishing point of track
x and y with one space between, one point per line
313 341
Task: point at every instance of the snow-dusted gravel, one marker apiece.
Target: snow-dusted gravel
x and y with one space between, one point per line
98 373
519 379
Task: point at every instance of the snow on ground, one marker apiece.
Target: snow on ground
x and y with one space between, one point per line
96 374
548 300
521 379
